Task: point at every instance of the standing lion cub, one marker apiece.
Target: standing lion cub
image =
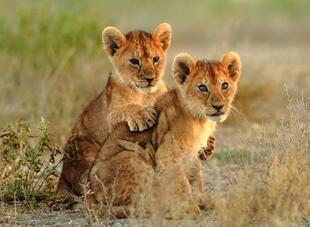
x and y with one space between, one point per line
163 161
139 60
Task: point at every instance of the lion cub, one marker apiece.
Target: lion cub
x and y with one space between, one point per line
164 161
139 60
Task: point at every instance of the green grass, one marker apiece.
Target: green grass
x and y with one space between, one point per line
41 36
240 157
28 163
235 157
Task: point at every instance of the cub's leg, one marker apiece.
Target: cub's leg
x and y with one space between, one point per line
172 178
174 193
197 182
170 190
206 152
119 182
77 161
196 176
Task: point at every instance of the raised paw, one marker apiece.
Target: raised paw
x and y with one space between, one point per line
206 152
144 119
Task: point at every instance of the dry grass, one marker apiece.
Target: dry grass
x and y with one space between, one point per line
272 192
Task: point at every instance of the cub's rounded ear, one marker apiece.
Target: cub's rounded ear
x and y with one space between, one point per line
232 62
182 66
163 34
112 39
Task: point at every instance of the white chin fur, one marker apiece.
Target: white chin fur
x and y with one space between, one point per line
147 89
219 118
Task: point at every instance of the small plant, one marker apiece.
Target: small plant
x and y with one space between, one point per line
27 163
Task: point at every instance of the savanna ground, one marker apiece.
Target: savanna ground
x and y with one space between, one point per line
52 65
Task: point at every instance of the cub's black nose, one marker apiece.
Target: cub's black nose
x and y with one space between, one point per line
218 107
149 80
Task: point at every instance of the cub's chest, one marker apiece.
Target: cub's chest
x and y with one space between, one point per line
200 135
144 99
207 130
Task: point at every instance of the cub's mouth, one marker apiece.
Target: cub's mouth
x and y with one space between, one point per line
217 114
147 89
149 85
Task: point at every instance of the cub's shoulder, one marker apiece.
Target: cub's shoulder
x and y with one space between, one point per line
167 103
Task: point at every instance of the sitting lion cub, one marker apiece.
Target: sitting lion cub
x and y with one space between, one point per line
139 60
164 161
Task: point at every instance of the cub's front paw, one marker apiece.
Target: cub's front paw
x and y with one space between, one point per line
142 120
206 152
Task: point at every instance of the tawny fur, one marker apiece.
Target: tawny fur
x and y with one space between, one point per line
163 161
129 96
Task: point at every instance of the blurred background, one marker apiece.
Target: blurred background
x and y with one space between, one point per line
52 63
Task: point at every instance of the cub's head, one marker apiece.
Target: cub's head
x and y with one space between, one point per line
207 87
138 57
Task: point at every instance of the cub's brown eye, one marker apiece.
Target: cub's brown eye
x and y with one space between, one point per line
224 85
134 61
155 59
203 88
